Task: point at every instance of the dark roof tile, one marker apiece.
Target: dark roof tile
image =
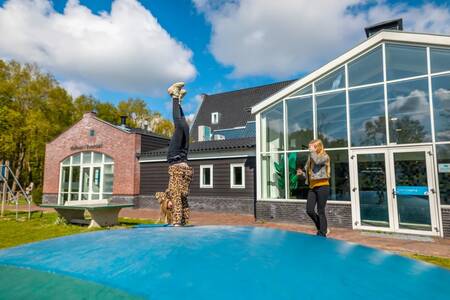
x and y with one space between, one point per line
234 106
209 146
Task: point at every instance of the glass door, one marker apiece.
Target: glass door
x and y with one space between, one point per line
371 202
412 190
393 190
371 191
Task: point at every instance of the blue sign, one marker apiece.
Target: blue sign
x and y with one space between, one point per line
412 190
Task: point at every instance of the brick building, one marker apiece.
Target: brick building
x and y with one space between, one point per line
95 161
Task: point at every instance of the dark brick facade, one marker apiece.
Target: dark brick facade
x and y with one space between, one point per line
338 215
446 222
239 205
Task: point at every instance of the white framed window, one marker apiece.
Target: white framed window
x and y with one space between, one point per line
87 177
215 118
206 176
237 176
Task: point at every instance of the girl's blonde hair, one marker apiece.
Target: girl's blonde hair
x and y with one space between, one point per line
319 145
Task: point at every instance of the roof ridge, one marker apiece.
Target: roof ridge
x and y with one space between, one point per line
252 88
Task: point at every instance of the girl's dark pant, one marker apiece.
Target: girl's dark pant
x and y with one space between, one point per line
318 196
179 144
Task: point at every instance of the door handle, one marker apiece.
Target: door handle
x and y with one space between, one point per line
393 193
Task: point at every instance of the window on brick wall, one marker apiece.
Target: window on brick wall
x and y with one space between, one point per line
86 176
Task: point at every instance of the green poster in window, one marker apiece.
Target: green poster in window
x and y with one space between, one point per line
279 171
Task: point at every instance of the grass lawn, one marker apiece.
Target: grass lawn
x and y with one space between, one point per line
16 232
436 260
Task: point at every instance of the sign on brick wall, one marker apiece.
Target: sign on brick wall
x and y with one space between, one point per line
86 147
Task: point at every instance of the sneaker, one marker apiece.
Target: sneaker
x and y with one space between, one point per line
177 225
183 92
328 231
174 89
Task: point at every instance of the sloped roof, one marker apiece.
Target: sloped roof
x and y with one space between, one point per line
208 146
374 40
234 106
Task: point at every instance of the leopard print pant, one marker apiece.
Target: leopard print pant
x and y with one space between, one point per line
180 177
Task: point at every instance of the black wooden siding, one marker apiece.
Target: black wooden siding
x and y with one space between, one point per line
149 143
154 178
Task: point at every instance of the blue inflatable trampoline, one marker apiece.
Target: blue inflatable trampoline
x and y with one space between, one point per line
212 262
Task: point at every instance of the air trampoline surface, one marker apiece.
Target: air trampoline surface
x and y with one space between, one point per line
212 262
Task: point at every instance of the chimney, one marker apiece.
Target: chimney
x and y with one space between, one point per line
90 114
396 24
123 121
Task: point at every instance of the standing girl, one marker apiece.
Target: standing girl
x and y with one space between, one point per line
317 175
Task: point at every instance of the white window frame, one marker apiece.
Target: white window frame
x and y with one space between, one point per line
90 165
232 183
215 118
206 186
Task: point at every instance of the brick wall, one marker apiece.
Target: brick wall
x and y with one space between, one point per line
338 215
446 222
241 205
120 145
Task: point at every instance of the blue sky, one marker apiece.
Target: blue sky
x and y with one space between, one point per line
136 49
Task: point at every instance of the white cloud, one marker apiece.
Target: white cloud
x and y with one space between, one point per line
281 38
76 88
124 50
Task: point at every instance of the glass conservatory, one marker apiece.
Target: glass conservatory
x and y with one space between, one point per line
384 118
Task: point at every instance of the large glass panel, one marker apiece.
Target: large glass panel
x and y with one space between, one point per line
66 162
272 176
443 161
441 106
411 190
409 112
405 61
272 128
96 180
87 157
86 180
108 159
373 200
339 175
98 157
367 68
65 179
333 81
75 186
76 159
297 185
367 116
108 178
332 119
440 60
304 91
300 123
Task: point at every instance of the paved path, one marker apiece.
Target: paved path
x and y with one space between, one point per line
400 243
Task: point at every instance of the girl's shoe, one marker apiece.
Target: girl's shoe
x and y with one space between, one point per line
174 89
182 93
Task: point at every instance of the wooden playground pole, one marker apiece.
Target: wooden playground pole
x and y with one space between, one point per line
5 182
